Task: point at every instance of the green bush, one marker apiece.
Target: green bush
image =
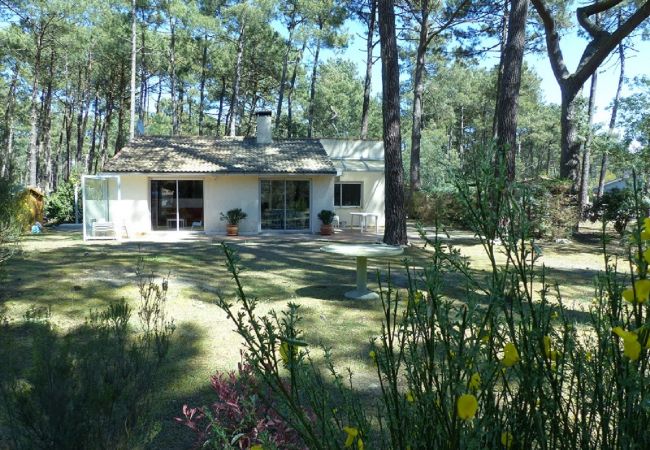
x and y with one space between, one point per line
444 208
617 206
552 209
59 205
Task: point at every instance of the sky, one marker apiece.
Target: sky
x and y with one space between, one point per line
572 47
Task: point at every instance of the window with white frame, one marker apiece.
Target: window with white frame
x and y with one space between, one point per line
348 194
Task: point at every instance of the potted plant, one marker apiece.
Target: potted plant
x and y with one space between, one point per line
326 217
233 217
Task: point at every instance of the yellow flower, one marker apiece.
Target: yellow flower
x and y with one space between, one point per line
467 406
475 382
352 433
284 352
550 353
631 345
507 439
642 288
257 447
631 349
409 397
510 355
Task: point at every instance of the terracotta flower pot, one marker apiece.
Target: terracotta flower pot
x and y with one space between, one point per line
232 230
326 230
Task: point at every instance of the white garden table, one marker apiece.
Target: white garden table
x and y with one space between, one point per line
362 252
363 220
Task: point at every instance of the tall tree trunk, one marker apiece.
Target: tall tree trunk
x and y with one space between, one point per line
56 163
234 100
503 37
82 113
172 74
33 116
570 156
312 88
134 52
144 86
222 96
204 65
6 171
461 132
292 86
418 90
367 84
159 97
106 132
119 139
285 64
510 84
46 125
612 119
181 97
68 138
395 214
90 158
586 153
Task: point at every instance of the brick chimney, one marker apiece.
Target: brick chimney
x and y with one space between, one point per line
264 133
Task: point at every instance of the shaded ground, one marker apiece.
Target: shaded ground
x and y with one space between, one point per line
60 271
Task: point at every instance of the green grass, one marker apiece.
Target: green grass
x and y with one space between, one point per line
58 270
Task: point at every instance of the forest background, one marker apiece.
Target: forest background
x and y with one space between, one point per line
204 68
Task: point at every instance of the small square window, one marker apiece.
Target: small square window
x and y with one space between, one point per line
347 194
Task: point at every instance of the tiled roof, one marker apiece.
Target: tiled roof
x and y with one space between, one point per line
229 155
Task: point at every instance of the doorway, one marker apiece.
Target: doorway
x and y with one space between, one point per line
177 205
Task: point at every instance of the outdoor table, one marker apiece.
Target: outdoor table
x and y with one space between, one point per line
362 252
363 218
176 222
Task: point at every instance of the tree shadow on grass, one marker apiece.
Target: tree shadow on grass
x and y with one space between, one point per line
79 394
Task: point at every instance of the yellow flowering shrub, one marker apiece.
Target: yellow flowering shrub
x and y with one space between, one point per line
545 374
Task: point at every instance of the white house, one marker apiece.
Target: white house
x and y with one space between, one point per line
184 183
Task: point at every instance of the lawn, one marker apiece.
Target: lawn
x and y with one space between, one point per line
58 270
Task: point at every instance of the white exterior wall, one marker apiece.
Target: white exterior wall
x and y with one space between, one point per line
372 196
225 192
353 149
220 194
373 181
322 194
134 209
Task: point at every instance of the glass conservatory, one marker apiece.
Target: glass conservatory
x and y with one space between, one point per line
101 195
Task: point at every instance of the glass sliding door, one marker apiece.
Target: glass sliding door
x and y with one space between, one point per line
285 204
190 204
272 201
176 204
297 205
